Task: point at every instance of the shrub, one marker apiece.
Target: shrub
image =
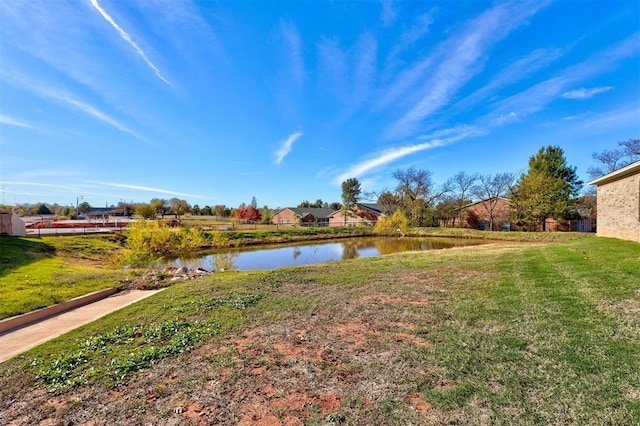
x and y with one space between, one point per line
396 224
149 240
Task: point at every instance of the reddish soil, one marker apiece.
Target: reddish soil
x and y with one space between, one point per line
348 361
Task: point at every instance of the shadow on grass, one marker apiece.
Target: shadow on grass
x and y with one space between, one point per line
16 252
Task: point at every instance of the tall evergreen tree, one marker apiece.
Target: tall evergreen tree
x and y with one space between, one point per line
350 196
547 190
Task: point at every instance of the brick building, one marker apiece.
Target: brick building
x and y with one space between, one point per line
302 216
364 215
489 214
619 203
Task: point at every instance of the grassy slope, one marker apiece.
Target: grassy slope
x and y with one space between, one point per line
38 272
510 335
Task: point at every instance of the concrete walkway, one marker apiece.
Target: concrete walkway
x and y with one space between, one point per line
22 339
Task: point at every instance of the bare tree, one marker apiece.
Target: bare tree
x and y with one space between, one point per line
611 160
417 193
461 185
489 188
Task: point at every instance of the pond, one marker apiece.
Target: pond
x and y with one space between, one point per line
313 252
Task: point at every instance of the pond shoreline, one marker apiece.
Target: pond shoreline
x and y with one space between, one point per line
298 253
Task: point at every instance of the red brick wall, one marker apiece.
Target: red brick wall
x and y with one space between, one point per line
285 216
500 212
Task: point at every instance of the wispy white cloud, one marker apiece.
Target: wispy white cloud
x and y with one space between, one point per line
506 119
584 93
459 59
365 67
531 100
537 97
94 112
144 188
5 119
382 158
284 150
613 120
333 66
413 33
515 71
577 117
67 99
389 14
45 174
293 42
128 39
39 185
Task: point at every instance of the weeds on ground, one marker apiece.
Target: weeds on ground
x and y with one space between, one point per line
113 356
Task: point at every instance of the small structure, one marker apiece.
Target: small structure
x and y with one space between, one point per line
619 203
11 224
302 216
364 214
489 214
104 213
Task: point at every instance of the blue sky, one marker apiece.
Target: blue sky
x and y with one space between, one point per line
218 102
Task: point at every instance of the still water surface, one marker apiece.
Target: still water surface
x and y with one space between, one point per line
317 252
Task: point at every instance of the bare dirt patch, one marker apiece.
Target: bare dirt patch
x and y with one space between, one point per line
344 361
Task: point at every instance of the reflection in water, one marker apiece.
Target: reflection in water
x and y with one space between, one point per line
224 261
296 252
278 257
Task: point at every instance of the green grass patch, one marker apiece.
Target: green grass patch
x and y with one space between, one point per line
131 341
498 334
39 272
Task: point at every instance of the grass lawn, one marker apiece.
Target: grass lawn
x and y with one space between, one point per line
38 272
507 333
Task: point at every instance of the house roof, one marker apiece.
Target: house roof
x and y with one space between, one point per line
320 213
101 211
375 208
482 201
631 169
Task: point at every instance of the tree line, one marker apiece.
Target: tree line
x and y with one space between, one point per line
549 188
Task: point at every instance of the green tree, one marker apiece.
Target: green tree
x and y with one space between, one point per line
159 205
547 190
145 211
179 207
221 210
550 161
84 207
43 209
266 215
537 197
447 211
350 196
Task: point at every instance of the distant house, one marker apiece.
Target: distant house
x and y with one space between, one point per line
491 213
619 203
104 213
302 216
11 224
365 214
